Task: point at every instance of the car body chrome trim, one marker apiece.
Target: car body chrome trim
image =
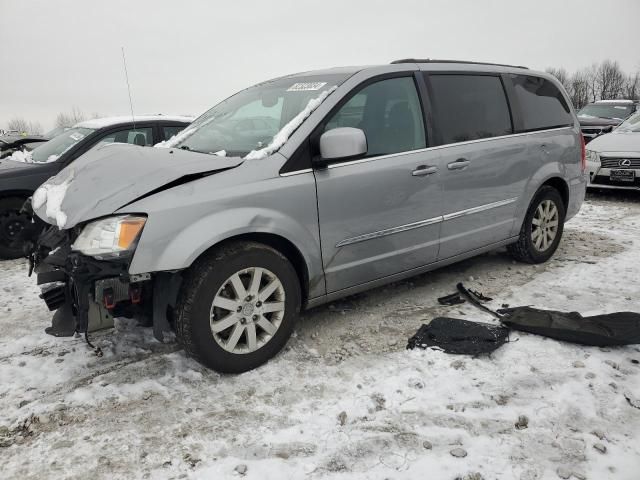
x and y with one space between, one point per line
389 231
423 223
479 208
297 172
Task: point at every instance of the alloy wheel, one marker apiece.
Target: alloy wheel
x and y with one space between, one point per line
544 225
247 310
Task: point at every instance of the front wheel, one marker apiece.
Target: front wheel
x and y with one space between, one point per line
542 228
237 307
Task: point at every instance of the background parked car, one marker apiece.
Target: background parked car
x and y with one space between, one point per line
613 159
24 171
14 142
603 116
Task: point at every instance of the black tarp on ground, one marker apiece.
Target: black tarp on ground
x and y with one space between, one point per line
620 328
453 335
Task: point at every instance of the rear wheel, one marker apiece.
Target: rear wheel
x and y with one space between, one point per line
12 222
542 227
237 307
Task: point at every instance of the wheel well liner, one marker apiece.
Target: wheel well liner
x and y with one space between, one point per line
561 186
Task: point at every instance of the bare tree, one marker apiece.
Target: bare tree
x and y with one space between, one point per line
67 120
35 128
18 124
592 81
632 87
579 89
610 80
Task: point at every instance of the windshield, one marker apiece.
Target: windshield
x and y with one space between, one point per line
52 150
619 112
55 132
257 121
632 124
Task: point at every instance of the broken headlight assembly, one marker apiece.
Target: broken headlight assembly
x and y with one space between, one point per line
110 237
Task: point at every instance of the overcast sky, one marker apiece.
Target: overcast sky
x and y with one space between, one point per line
185 56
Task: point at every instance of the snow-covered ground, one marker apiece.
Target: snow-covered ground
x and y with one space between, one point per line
345 399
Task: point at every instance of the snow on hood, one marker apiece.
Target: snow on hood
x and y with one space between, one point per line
107 178
50 196
283 135
623 142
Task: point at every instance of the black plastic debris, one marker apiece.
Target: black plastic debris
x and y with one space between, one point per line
453 335
620 328
453 299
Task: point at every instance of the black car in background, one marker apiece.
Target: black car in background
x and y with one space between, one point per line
602 116
24 171
12 142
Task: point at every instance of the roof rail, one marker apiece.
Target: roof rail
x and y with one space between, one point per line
433 60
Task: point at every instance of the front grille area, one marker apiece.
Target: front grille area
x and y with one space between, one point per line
615 163
601 180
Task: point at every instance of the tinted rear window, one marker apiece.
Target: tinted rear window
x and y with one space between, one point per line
541 103
469 107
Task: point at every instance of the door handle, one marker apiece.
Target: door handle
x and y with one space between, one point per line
459 164
423 170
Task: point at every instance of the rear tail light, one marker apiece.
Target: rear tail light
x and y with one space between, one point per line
583 158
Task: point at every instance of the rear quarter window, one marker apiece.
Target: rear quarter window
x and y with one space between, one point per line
469 107
542 105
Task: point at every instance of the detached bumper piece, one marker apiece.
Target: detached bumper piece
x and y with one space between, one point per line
453 335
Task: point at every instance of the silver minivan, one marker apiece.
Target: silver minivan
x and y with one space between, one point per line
304 189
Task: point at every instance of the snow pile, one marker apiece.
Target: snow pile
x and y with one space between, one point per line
52 195
21 156
283 135
221 153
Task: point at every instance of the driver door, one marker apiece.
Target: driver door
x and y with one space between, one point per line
380 215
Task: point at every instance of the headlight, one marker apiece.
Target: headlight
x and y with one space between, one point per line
593 156
110 237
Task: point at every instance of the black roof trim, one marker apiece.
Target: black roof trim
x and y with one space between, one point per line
433 60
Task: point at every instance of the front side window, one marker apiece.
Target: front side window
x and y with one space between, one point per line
53 149
469 107
541 103
257 121
388 112
138 136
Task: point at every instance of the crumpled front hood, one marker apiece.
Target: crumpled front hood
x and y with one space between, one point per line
107 178
628 142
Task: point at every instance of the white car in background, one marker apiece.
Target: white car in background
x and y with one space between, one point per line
613 160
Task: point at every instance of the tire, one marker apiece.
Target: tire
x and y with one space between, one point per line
11 223
207 331
535 244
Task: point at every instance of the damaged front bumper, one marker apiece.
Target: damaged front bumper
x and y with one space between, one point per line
87 293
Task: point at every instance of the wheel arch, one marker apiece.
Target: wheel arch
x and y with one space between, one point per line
278 243
561 186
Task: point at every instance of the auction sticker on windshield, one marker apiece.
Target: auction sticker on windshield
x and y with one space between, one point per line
76 136
303 87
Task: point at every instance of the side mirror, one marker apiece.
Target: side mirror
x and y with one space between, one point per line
342 143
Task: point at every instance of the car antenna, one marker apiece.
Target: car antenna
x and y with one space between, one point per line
126 75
